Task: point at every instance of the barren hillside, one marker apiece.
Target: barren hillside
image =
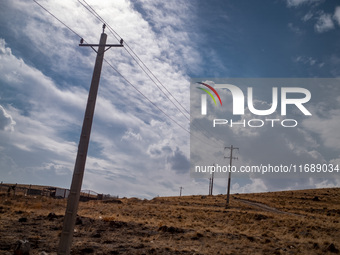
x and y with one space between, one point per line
289 222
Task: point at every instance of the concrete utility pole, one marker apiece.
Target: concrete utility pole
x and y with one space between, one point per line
78 173
180 191
211 184
230 164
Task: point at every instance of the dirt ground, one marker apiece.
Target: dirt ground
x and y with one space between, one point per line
289 222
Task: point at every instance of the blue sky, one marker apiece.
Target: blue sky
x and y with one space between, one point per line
135 150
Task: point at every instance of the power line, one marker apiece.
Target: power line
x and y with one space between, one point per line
157 78
167 115
92 11
114 69
57 18
140 92
114 33
121 74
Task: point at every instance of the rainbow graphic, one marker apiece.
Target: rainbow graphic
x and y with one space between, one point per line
209 93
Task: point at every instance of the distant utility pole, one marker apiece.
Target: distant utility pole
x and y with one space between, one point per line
230 164
180 191
211 184
78 173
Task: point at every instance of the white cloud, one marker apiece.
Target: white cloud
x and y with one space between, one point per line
337 15
324 23
320 183
326 127
306 60
256 185
296 3
6 121
129 135
47 101
294 28
179 162
309 61
170 19
3 49
307 16
133 147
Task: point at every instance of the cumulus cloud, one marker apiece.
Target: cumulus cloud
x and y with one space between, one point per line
307 16
337 15
179 162
326 127
324 23
296 3
159 149
6 121
294 28
133 145
256 185
306 60
130 138
129 135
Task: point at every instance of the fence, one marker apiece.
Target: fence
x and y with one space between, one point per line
55 192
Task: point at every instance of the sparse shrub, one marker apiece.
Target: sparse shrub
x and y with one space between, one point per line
37 205
8 202
109 218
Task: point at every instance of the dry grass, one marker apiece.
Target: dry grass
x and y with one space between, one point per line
183 225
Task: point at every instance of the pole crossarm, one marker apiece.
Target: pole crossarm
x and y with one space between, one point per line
231 148
100 45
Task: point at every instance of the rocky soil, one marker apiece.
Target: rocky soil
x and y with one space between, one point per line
290 222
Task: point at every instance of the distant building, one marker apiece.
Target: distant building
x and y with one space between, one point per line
34 192
58 192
